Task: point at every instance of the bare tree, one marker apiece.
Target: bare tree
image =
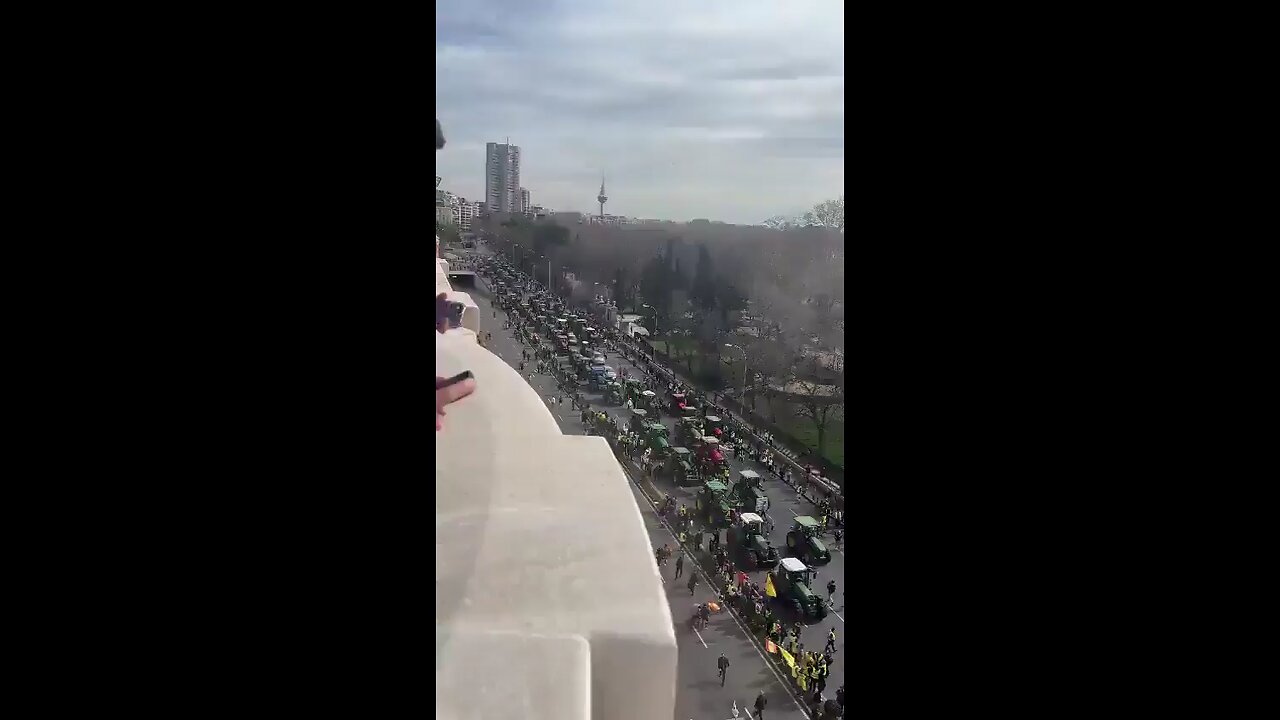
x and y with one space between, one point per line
827 214
817 402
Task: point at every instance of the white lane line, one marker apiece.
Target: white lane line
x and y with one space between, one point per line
748 712
704 642
833 612
793 512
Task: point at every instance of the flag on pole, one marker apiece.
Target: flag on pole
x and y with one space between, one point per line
769 647
788 659
768 586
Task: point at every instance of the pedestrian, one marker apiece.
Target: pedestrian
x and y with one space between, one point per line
693 582
723 664
831 642
831 594
760 703
680 567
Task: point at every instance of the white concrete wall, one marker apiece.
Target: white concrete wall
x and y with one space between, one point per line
543 565
471 315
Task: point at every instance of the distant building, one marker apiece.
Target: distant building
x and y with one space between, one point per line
466 213
524 201
502 177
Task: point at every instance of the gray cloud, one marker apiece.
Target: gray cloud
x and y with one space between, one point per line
727 110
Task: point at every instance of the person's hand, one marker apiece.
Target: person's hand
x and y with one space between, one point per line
442 313
450 394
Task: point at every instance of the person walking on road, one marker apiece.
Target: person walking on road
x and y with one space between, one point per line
831 593
831 642
723 664
693 582
679 566
760 703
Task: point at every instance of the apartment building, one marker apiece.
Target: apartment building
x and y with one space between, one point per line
502 178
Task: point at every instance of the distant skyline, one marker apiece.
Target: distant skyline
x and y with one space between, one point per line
730 111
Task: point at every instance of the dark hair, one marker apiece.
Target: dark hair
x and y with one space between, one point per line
439 135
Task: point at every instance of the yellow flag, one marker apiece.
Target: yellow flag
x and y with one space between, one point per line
768 586
786 657
770 647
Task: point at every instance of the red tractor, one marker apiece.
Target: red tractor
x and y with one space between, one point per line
710 459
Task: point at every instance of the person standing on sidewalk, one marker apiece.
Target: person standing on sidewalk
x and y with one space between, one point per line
760 703
679 566
723 664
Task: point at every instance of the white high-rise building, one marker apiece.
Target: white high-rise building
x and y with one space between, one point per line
502 177
524 201
466 213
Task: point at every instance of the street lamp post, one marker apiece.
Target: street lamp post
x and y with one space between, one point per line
746 362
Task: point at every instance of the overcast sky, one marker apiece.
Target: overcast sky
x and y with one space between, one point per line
714 109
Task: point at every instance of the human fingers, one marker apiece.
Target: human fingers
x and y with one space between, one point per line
453 393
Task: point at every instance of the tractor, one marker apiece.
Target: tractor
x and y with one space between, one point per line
655 436
714 426
647 400
803 542
679 465
749 541
748 493
676 406
687 429
613 394
639 419
792 581
632 390
710 459
711 503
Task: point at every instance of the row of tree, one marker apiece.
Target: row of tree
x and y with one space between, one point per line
776 292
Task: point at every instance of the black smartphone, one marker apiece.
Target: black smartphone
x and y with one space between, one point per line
464 375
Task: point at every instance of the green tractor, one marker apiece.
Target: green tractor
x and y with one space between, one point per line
656 437
803 542
792 582
639 420
748 493
632 390
712 503
749 541
679 465
687 429
613 393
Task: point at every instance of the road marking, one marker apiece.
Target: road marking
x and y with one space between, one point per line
793 512
704 642
833 612
777 674
748 712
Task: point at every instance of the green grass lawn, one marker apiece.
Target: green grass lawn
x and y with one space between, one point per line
802 429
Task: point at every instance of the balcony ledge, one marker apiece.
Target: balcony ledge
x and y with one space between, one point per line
542 559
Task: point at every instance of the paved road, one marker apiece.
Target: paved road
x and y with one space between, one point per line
699 695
